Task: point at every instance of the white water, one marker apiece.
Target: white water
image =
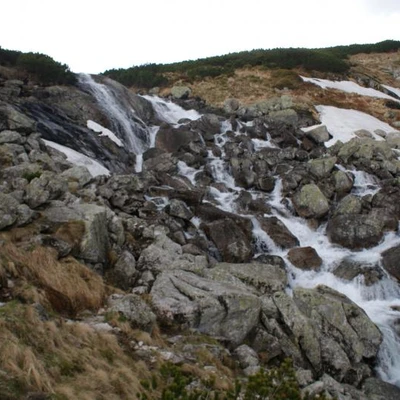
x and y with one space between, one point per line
170 112
124 121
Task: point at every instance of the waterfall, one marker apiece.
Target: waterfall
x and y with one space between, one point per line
124 121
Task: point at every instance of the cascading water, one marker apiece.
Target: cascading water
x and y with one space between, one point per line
125 124
381 301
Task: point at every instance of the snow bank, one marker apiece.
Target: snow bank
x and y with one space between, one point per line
349 87
342 123
74 157
94 126
396 91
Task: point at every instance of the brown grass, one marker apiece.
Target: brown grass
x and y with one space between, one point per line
70 287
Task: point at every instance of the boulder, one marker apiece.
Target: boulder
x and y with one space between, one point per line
319 134
390 261
208 126
343 182
214 308
242 171
178 208
172 140
322 167
349 205
11 137
278 232
305 258
376 389
309 202
257 278
349 269
78 174
124 272
8 210
181 92
246 356
94 244
231 105
134 309
233 244
355 231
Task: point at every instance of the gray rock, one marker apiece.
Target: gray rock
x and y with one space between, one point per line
255 277
214 308
322 167
231 105
25 215
8 210
376 389
94 245
305 258
124 272
77 174
178 208
181 92
390 261
242 171
309 202
246 356
10 137
319 134
287 116
343 182
355 231
135 310
349 269
349 205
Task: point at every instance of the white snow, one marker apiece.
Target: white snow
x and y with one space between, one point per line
94 167
94 126
396 91
349 87
342 123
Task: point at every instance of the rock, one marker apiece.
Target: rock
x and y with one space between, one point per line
16 120
162 163
349 205
278 232
181 92
213 308
25 215
78 174
309 202
322 167
242 171
349 269
135 310
8 210
10 137
164 254
390 261
266 183
305 258
376 389
231 105
343 182
257 278
288 116
319 134
368 149
246 356
94 244
208 126
124 272
355 231
230 240
178 208
171 139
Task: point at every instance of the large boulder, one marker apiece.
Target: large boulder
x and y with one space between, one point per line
278 232
181 92
8 210
322 167
390 261
376 389
318 134
171 139
233 244
309 202
214 308
94 244
355 231
124 271
305 258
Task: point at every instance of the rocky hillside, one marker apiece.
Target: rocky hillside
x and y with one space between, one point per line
246 251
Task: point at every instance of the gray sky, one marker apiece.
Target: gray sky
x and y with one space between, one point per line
95 35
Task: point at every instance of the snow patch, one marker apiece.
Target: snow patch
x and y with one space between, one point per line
74 157
349 87
94 126
396 91
342 123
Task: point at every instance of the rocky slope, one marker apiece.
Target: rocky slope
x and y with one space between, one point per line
194 259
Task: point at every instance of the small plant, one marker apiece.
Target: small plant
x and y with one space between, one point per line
30 176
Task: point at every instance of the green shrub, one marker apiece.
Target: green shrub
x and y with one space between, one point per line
8 57
45 69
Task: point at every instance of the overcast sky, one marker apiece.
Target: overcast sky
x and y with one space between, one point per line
95 35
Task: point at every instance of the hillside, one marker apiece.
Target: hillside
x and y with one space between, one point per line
234 237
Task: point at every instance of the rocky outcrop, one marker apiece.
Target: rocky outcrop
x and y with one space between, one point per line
310 202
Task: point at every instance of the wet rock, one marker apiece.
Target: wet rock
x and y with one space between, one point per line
355 231
309 202
376 389
242 171
305 258
233 244
349 205
343 182
390 261
278 232
214 308
177 208
134 309
349 269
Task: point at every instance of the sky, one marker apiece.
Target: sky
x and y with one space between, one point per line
95 35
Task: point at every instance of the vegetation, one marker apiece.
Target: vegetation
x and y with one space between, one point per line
38 66
331 59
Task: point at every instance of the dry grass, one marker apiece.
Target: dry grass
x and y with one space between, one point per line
70 287
68 360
